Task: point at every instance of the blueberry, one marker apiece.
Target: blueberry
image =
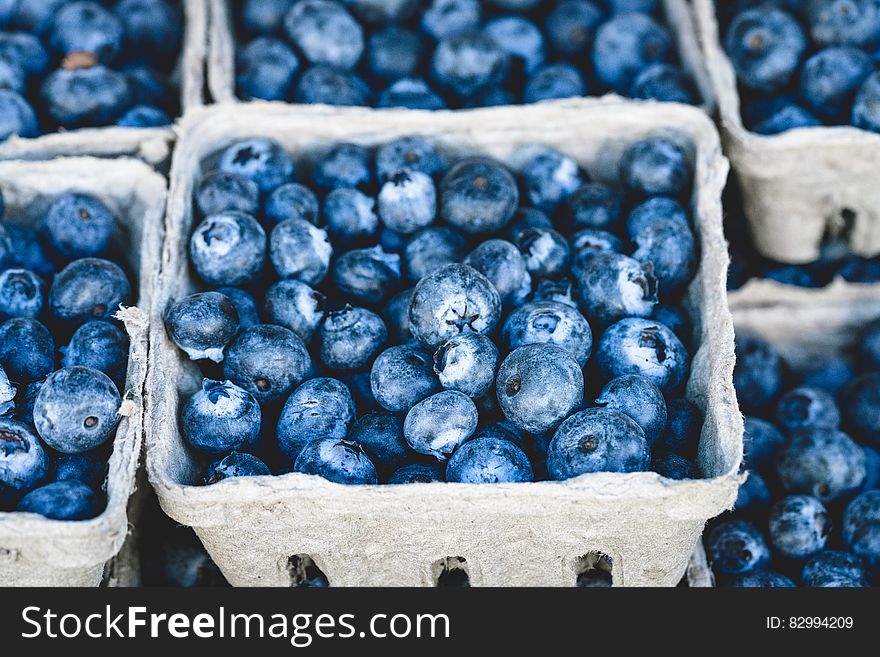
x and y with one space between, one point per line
350 338
799 526
144 116
765 46
410 153
763 579
89 468
761 443
338 460
624 46
27 351
149 87
432 248
861 524
656 208
860 402
830 80
467 363
664 82
265 69
451 300
62 500
553 323
834 569
872 469
673 466
152 28
545 251
380 11
228 248
613 286
736 547
85 97
393 53
328 86
447 17
25 249
617 7
88 288
571 25
21 294
325 33
12 75
245 305
757 375
670 248
525 381
824 463
588 243
343 165
23 461
655 166
367 275
17 117
236 464
350 216
593 205
418 473
221 417
555 81
99 345
295 306
291 201
76 409
411 93
437 425
397 315
26 50
478 195
265 16
869 343
597 440
7 394
550 177
638 398
220 192
639 346
787 118
804 407
488 460
859 270
268 361
260 160
407 201
684 424
850 22
503 264
520 38
468 62
320 408
753 494
402 376
202 324
86 27
300 250
381 436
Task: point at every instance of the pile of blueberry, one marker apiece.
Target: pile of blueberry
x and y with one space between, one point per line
809 512
804 63
67 65
397 316
56 425
441 54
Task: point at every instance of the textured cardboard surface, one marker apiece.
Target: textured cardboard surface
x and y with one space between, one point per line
222 43
799 186
153 145
36 551
392 535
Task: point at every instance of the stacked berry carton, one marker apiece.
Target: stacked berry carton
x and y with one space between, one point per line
34 550
150 144
675 16
260 529
803 185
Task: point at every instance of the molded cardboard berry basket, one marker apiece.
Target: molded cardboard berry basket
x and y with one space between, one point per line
677 17
36 551
803 185
153 145
259 530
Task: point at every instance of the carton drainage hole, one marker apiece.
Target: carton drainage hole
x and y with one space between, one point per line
451 571
303 571
594 570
